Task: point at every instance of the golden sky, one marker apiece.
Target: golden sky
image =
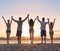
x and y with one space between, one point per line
42 8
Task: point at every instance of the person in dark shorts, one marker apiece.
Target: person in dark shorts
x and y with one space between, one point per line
31 29
19 28
43 29
8 25
51 32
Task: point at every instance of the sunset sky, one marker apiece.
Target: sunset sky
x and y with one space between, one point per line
42 8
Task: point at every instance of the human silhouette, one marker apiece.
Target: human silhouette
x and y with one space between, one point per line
8 25
43 28
19 28
31 28
51 31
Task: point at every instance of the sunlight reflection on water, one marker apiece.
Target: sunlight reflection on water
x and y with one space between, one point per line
26 42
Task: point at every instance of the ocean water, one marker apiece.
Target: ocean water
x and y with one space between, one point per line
26 42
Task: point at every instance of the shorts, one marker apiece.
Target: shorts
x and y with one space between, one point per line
51 32
43 32
31 30
19 32
8 31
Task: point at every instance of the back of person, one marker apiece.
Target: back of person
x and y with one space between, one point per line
8 25
43 25
51 26
19 25
31 23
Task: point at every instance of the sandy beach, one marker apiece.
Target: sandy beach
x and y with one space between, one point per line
29 47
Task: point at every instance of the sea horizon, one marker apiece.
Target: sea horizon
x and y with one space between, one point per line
28 42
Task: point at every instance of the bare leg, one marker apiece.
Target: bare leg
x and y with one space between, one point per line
51 38
19 39
45 39
32 37
41 39
8 35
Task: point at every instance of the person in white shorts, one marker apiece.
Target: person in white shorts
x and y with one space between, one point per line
8 25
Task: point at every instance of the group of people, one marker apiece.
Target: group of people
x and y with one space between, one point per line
31 28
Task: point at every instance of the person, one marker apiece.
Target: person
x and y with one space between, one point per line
8 25
19 28
31 29
43 28
51 32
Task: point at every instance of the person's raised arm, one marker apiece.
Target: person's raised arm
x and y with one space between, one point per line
54 21
26 18
14 19
35 19
11 19
4 19
48 20
38 19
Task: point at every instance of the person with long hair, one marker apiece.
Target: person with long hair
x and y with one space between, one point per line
8 25
31 28
51 31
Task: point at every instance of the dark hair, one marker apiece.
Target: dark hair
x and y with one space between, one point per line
8 20
31 23
20 18
51 23
43 19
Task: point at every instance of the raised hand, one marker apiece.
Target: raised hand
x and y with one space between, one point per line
4 19
37 17
54 19
47 18
2 16
11 17
27 15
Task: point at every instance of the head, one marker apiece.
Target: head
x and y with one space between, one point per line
20 18
31 23
8 21
51 23
43 19
31 20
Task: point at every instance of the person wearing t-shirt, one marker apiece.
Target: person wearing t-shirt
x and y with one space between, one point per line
43 28
19 28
